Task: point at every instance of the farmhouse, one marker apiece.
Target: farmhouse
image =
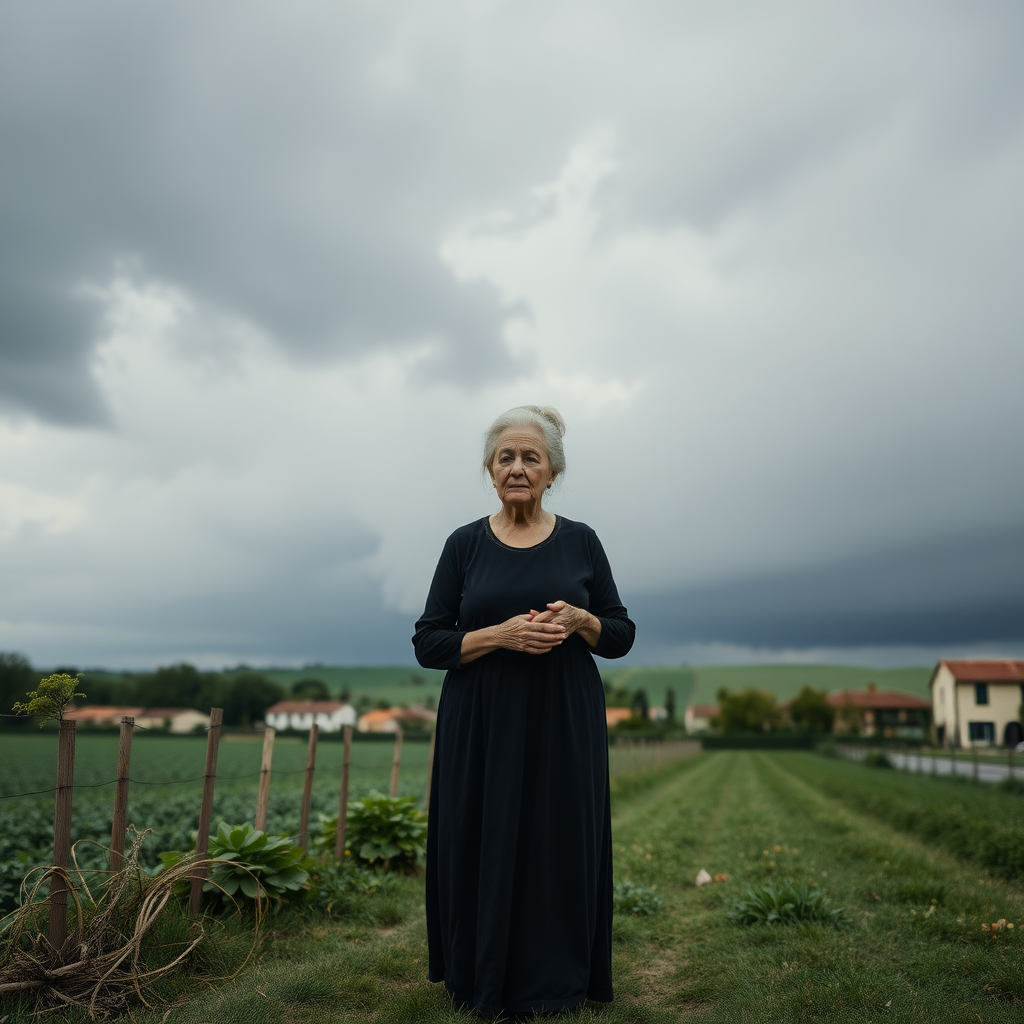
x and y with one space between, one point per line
176 720
697 717
615 715
978 703
95 714
329 715
875 712
393 719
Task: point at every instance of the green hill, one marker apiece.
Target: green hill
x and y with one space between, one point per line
786 681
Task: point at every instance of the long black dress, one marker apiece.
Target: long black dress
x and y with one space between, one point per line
519 860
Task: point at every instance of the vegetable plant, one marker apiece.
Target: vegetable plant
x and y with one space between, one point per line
784 903
383 831
251 863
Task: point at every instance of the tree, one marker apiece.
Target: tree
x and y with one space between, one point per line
310 689
16 679
641 706
670 704
811 710
248 697
182 686
50 699
749 710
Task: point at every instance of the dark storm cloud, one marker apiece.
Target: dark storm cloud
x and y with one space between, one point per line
235 153
960 591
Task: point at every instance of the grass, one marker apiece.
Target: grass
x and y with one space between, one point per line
910 945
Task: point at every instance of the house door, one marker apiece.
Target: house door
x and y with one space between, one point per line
1013 735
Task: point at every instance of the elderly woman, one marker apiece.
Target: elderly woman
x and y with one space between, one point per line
519 859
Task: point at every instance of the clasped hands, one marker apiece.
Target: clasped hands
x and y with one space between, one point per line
541 631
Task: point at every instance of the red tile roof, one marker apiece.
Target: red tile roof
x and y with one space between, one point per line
99 713
876 700
985 671
703 710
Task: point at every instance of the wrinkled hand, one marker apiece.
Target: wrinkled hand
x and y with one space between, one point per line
568 616
525 633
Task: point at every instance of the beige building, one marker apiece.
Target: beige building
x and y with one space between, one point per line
697 717
977 703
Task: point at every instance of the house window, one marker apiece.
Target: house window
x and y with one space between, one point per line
981 693
981 732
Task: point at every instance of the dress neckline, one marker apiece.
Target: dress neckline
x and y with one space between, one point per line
533 547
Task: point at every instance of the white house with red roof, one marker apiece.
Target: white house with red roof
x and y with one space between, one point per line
330 715
978 703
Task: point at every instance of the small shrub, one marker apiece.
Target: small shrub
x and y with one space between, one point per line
384 831
251 864
343 888
637 899
876 759
784 903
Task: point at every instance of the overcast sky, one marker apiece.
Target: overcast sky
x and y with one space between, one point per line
267 271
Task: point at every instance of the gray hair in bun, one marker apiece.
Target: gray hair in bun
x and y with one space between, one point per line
547 419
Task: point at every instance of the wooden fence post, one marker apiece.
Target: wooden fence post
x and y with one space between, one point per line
124 759
346 762
206 807
430 766
307 789
974 758
58 930
263 797
396 762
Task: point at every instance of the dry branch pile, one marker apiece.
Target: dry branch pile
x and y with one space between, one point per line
112 954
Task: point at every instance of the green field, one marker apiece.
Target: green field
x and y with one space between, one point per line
909 858
910 945
166 775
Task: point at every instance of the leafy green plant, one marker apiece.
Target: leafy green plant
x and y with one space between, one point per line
250 863
784 903
385 831
50 699
637 899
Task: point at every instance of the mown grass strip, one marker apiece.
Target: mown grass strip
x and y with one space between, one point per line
974 822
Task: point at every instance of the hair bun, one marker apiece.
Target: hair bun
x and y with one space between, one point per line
549 412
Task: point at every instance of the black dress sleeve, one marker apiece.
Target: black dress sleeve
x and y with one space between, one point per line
617 629
437 641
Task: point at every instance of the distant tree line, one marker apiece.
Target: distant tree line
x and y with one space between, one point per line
753 710
244 696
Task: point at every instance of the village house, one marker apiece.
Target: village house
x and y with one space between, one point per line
301 715
615 715
978 703
176 720
393 719
874 712
697 717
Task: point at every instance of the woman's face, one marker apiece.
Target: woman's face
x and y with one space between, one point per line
521 470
